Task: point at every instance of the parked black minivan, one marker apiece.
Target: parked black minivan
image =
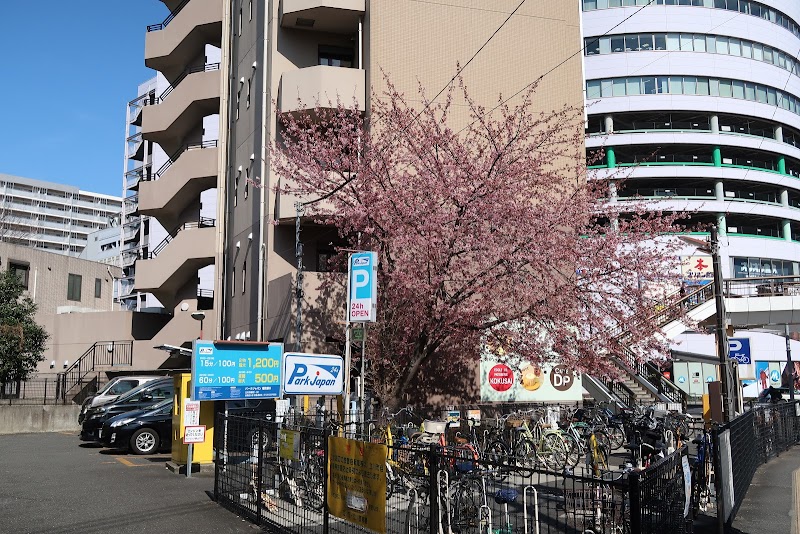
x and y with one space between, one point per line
146 395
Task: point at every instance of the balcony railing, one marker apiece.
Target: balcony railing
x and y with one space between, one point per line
773 286
160 26
204 222
208 67
189 146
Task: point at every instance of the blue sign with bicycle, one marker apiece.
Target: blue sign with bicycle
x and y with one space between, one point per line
232 370
739 350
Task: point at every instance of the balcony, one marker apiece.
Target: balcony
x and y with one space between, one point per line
180 181
168 122
332 16
172 44
176 260
134 176
303 89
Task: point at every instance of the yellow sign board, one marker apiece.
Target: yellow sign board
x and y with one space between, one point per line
289 445
357 482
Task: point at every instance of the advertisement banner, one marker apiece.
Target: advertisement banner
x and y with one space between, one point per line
312 374
362 287
522 381
232 370
357 482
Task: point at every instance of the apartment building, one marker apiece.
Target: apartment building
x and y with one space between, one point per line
704 99
53 217
171 170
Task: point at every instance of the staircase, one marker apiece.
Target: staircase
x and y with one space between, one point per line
74 382
642 381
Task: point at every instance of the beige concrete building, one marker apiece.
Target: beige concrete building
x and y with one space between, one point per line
271 53
318 50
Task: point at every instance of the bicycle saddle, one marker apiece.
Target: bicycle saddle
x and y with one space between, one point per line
461 441
505 496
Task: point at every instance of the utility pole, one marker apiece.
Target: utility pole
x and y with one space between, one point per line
299 282
722 335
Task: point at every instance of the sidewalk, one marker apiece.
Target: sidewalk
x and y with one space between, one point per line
772 502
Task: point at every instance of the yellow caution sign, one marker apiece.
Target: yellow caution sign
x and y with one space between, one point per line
357 482
289 444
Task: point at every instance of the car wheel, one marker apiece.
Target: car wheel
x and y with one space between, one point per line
144 441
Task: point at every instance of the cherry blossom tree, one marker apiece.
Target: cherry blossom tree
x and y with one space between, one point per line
493 231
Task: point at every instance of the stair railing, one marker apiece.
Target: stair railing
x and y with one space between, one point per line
100 354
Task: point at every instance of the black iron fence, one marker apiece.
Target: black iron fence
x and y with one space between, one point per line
35 391
277 475
747 442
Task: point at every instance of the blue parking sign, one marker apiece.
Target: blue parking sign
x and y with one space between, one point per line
739 350
362 287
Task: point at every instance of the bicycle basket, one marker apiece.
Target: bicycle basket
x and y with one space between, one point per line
515 422
434 427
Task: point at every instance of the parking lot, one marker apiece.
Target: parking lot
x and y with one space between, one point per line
54 484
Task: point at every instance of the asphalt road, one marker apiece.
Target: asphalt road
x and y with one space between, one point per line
51 484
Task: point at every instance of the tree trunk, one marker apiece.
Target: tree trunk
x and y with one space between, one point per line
421 353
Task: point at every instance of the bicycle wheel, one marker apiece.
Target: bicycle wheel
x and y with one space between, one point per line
312 476
525 454
616 437
553 451
466 501
496 454
573 450
603 442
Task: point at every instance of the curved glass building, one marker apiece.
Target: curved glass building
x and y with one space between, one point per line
701 99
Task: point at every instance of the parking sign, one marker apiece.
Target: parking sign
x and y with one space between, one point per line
739 350
362 287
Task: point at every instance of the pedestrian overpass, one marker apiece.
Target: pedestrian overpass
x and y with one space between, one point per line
749 302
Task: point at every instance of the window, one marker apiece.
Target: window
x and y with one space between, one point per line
233 282
250 9
98 287
240 22
336 56
74 287
21 271
244 276
247 183
249 87
123 386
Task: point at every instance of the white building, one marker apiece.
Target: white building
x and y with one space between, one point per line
704 98
53 217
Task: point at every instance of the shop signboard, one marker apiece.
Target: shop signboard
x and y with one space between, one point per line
697 270
521 381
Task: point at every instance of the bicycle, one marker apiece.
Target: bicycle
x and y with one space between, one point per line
702 472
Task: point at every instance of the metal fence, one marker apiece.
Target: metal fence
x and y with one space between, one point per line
430 488
32 392
747 442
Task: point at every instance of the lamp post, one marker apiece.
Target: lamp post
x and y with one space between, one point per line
199 316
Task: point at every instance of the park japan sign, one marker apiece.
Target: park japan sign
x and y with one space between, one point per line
362 287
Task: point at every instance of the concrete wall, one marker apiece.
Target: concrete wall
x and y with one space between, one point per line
25 419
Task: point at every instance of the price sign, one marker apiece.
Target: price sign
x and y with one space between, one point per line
225 370
191 412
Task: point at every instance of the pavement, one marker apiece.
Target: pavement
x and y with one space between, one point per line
53 484
772 502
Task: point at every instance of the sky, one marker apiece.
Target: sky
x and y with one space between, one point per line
67 71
